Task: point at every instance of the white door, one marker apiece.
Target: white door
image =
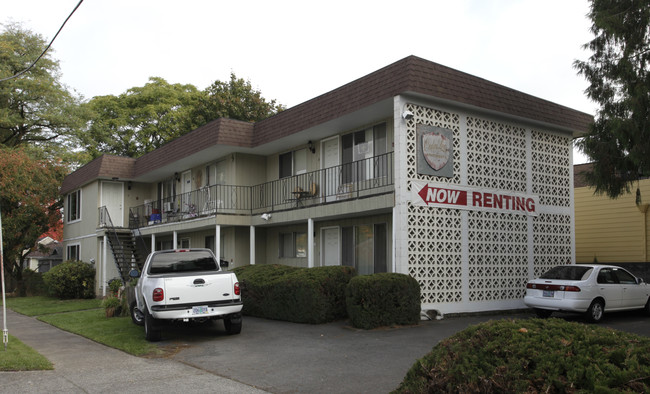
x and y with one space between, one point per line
330 242
330 175
112 199
186 188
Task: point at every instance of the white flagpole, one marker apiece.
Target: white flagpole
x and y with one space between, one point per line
5 332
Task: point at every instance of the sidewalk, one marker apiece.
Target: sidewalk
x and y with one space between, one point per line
84 366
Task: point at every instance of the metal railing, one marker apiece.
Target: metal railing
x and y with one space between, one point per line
362 178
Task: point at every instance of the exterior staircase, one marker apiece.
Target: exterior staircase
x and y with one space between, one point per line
128 247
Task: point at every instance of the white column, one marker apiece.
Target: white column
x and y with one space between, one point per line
175 241
217 241
153 242
310 242
252 237
104 266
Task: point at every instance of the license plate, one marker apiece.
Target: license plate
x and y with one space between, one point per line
548 293
199 310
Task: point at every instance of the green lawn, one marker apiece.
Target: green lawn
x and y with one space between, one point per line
20 357
82 317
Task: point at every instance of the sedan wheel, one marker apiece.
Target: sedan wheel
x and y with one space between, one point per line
595 312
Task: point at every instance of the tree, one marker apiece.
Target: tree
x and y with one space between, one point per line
141 119
618 142
236 99
36 109
30 204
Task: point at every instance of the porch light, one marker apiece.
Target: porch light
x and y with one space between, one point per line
311 147
407 115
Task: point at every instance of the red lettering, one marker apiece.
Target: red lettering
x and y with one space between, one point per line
476 199
497 201
488 200
507 200
530 205
520 204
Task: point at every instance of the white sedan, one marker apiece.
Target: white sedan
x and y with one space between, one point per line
588 289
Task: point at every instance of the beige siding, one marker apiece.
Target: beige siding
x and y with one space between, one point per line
611 230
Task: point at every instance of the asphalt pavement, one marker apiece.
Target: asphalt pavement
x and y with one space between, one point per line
268 356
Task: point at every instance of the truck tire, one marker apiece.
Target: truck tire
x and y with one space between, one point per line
136 315
151 332
232 325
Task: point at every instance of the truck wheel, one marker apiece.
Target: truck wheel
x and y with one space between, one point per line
233 325
136 315
151 333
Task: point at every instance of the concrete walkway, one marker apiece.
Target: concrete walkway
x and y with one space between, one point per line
84 366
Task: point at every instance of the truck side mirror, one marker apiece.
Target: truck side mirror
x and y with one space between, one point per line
223 263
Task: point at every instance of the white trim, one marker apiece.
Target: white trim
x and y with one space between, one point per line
66 240
252 245
310 243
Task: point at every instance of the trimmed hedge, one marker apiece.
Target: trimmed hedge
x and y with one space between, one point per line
382 300
71 279
533 356
299 295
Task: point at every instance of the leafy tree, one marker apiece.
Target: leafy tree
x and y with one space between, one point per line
36 109
30 204
619 81
236 99
141 119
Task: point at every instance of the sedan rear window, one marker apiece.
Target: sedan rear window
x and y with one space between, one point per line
567 272
164 263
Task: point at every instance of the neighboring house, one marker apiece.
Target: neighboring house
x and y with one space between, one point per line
415 168
612 231
48 253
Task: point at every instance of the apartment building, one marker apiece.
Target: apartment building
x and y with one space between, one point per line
416 168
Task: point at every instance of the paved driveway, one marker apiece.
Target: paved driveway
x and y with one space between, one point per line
283 357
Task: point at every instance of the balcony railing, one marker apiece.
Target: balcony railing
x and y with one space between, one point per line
363 178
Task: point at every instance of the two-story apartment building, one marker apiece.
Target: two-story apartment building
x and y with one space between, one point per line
415 168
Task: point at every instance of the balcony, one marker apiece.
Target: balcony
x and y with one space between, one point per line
360 179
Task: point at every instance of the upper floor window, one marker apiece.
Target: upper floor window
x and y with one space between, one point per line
73 209
360 147
293 163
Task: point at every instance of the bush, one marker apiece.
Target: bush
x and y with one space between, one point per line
71 279
299 295
534 355
382 300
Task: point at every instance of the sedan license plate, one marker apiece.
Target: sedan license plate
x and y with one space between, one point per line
200 310
548 293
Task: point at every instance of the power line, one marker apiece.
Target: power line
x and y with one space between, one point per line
48 47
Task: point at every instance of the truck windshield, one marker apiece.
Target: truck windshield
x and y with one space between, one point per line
190 261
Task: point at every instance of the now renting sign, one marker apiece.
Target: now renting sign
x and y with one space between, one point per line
469 198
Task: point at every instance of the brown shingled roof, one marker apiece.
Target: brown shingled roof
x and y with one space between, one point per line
105 166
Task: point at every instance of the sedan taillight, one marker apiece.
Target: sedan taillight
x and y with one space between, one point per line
542 286
158 294
237 289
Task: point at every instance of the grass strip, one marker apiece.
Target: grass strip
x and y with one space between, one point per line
20 357
38 306
117 332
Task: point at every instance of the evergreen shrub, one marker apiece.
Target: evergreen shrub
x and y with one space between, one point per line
299 295
71 279
533 356
383 299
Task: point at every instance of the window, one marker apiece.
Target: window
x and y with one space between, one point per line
72 252
293 163
364 247
73 209
359 147
184 243
293 245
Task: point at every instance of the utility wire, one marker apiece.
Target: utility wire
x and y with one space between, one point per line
48 47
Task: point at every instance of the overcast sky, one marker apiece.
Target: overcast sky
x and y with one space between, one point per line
293 51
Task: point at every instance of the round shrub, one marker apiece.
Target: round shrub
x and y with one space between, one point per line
71 279
382 300
533 356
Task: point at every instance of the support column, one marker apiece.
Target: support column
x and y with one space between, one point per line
217 241
310 242
175 241
252 238
153 242
104 265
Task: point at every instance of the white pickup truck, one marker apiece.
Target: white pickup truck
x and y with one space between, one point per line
185 285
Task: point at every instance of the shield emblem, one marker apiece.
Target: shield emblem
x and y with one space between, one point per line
436 149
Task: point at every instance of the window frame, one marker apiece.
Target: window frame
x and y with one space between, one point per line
76 209
69 247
